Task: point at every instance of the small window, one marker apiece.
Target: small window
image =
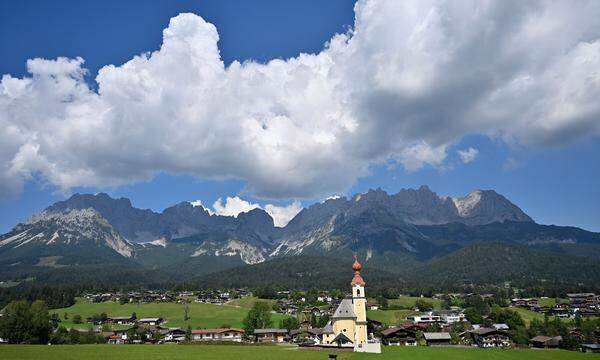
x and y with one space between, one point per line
358 292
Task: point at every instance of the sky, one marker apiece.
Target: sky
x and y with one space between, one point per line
237 104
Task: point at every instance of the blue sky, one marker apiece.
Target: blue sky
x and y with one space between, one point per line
555 183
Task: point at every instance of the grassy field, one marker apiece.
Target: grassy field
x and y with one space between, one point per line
551 301
248 301
214 352
201 315
390 317
408 302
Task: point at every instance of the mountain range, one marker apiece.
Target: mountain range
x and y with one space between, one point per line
397 233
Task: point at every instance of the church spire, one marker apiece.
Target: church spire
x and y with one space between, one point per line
357 279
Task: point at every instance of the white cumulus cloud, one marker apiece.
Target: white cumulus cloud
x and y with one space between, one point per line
407 82
233 206
468 155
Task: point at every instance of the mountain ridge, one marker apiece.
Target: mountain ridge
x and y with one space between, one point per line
392 232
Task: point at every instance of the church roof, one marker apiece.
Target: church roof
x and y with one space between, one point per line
328 329
345 310
342 339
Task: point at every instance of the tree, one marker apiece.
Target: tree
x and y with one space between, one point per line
473 316
15 323
188 334
258 317
74 336
60 336
133 316
77 319
186 313
289 323
383 302
423 305
40 322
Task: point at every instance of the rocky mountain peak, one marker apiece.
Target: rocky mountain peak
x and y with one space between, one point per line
487 206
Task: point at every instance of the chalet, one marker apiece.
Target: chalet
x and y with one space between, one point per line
374 326
121 320
221 334
399 336
372 305
545 342
490 337
174 335
150 321
270 335
118 337
437 338
527 303
559 311
590 348
583 300
306 336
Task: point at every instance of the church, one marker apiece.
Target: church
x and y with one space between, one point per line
348 325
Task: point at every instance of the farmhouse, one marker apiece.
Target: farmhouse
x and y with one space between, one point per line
546 342
270 335
150 321
490 337
399 336
121 320
221 334
437 338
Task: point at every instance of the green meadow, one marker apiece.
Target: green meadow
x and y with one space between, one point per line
249 352
200 315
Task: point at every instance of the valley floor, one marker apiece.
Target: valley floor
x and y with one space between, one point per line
214 352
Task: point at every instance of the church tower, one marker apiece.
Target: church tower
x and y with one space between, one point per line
359 300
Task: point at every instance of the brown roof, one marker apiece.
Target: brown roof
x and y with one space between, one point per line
216 331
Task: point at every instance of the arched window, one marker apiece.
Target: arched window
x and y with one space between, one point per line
358 292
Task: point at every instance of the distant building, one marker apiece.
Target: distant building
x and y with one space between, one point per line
490 337
547 342
270 335
437 338
151 321
399 336
221 334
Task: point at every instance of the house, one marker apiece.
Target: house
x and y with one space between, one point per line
372 306
399 336
425 319
449 316
545 342
500 326
270 335
527 303
437 338
582 300
174 335
306 336
490 337
221 334
121 320
590 348
150 321
118 337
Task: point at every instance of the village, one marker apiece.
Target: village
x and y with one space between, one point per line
316 314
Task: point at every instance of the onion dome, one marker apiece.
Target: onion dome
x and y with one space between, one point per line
357 279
